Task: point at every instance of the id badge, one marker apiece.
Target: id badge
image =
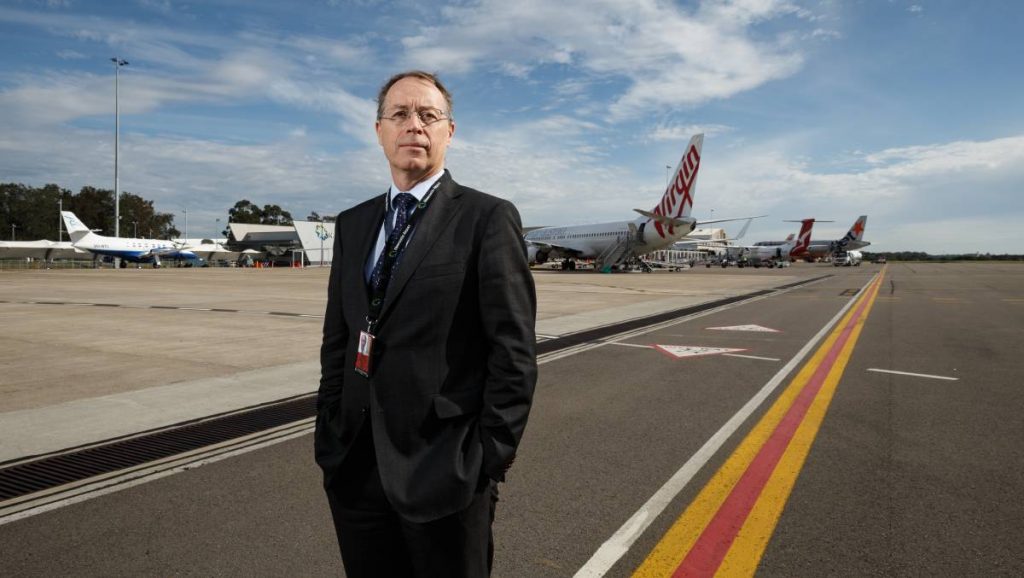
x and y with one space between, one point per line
363 353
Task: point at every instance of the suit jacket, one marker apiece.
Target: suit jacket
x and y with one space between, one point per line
454 361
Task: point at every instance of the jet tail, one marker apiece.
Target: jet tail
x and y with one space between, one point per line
856 232
743 231
678 198
76 229
803 239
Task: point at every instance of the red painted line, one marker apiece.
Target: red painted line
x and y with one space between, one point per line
707 553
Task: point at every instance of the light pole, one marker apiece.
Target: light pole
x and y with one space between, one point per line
60 217
118 63
186 223
13 227
136 225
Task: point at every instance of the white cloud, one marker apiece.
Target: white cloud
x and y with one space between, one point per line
675 132
161 6
70 55
670 57
916 187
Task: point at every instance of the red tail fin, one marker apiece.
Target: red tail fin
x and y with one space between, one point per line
803 240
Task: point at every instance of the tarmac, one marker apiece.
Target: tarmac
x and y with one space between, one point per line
913 471
90 355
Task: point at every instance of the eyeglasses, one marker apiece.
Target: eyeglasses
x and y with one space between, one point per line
427 116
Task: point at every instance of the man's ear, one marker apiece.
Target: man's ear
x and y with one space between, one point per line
376 127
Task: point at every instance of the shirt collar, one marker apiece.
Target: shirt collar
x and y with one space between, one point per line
419 190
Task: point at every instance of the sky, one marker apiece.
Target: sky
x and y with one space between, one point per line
909 111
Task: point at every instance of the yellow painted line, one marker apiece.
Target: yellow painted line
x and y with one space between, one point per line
752 539
668 554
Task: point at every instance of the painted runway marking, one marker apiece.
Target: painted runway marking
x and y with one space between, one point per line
913 374
728 525
615 547
171 308
679 351
758 328
630 345
751 357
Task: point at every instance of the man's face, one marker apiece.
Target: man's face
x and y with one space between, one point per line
414 150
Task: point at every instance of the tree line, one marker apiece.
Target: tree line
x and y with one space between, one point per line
922 256
31 213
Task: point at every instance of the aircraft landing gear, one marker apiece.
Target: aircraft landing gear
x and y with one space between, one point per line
568 265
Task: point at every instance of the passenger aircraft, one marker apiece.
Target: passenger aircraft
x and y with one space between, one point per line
700 240
854 239
772 253
128 249
619 242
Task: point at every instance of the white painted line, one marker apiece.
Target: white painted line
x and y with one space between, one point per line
615 547
680 351
630 345
755 328
548 357
751 357
194 309
547 336
148 473
914 374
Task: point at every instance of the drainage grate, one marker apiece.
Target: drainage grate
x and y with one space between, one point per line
49 472
30 477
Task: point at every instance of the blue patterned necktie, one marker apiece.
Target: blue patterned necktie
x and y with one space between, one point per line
401 205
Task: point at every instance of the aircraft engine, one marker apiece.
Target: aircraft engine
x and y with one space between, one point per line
536 255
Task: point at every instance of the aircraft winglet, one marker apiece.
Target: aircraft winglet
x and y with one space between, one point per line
665 221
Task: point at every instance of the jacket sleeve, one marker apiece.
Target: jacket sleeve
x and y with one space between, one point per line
335 339
508 310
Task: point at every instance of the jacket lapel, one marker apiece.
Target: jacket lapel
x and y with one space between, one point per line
440 212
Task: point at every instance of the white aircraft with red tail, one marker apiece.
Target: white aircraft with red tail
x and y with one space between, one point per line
774 254
621 243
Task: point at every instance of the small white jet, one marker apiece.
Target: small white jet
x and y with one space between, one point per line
125 248
621 242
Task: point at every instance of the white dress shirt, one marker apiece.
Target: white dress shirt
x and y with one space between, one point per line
419 191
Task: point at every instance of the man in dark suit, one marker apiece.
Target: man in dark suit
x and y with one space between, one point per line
428 360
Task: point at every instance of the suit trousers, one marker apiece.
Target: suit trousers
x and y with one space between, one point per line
375 541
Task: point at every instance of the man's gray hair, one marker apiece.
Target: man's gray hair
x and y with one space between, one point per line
431 78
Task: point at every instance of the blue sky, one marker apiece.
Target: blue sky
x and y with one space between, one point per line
909 111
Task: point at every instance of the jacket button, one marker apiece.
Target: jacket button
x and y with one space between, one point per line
364 410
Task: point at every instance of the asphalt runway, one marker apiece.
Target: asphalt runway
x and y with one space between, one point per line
909 474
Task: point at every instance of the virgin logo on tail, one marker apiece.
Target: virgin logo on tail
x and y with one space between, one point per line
678 198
